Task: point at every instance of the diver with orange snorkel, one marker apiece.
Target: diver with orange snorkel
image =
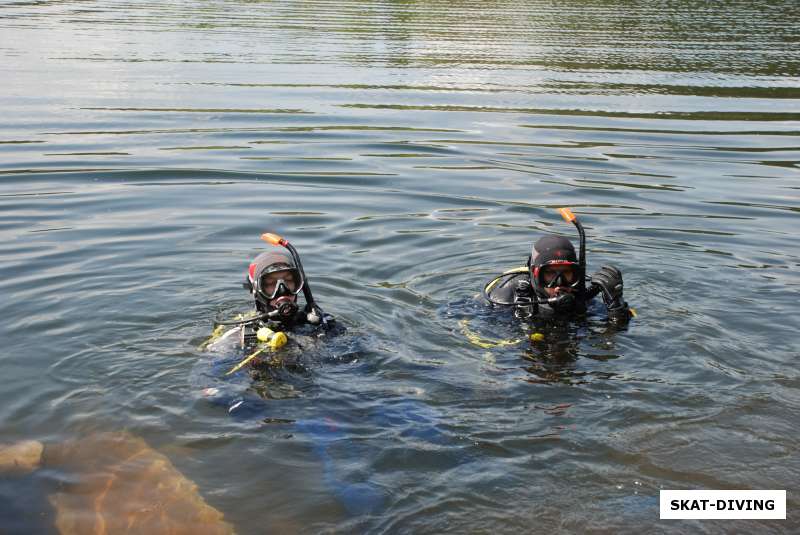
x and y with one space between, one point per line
274 279
554 284
281 335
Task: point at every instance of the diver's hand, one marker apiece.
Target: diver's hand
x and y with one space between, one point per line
609 282
620 314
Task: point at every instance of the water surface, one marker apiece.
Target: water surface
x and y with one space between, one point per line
410 150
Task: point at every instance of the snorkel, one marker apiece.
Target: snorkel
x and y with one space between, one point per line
569 217
287 307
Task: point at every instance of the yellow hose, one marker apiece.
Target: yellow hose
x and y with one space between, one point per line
485 343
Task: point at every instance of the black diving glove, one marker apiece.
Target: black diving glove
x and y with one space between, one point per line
608 281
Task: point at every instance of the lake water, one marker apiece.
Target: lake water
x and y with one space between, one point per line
410 150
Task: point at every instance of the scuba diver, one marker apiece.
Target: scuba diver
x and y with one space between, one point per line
275 279
554 283
279 337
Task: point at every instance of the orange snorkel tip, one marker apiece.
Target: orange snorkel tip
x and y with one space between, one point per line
273 239
567 214
569 217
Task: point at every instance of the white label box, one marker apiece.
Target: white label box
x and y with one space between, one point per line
722 504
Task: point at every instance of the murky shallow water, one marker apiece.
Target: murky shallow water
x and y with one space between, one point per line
410 151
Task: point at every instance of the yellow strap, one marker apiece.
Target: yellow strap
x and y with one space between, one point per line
484 343
494 281
247 359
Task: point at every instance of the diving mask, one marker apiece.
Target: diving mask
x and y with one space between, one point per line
280 281
555 275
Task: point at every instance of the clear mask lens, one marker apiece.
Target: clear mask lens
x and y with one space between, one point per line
277 283
559 276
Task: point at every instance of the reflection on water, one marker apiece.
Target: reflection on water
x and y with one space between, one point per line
410 149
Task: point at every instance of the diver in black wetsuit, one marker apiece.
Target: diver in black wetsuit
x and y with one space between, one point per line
554 282
275 279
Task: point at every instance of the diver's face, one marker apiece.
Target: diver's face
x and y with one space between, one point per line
569 275
269 282
271 285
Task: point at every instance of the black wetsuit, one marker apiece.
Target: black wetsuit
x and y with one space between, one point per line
513 289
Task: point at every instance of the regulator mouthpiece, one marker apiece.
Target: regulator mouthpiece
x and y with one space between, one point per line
285 308
563 302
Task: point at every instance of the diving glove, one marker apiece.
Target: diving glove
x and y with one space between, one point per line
608 281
